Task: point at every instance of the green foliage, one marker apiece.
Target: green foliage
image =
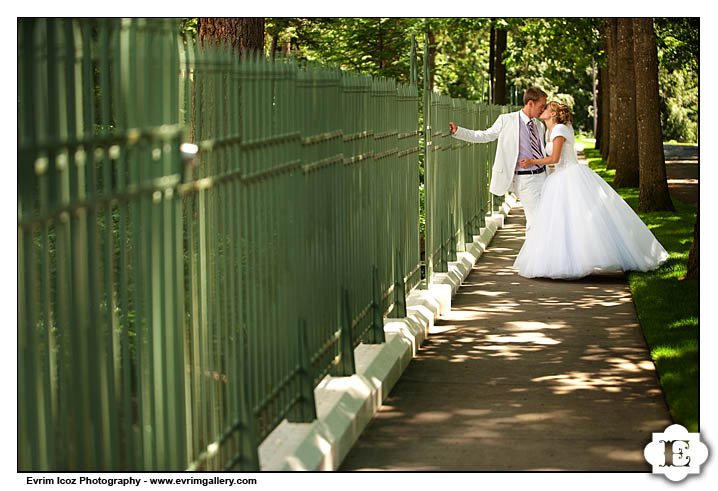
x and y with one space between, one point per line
678 41
188 27
552 48
678 51
667 305
379 46
556 54
462 62
679 104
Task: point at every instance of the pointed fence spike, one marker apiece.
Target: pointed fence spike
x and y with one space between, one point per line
452 238
346 366
442 267
399 310
305 410
248 459
376 334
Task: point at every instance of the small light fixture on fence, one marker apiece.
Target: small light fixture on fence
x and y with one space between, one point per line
189 153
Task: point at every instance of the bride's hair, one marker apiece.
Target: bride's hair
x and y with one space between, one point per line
562 112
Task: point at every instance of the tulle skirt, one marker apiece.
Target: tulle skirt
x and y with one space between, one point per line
583 226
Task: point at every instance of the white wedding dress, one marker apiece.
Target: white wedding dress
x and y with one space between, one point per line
583 226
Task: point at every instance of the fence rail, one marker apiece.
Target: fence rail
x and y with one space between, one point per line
174 307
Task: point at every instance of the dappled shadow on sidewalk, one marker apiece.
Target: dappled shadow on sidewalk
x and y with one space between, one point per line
524 374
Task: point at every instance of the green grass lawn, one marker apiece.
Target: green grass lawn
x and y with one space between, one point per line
584 142
667 306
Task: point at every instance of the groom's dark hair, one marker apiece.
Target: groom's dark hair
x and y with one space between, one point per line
533 94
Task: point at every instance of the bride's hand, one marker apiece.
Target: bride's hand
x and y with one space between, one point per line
526 163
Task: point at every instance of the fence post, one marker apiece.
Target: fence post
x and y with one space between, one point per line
345 367
399 293
429 226
452 238
443 265
305 410
376 332
247 458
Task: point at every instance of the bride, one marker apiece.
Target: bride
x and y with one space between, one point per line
582 225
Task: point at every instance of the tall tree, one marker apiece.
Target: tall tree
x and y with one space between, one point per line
492 60
244 33
604 110
653 188
500 67
432 57
594 90
612 58
625 114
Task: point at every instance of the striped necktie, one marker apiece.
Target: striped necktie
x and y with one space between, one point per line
535 148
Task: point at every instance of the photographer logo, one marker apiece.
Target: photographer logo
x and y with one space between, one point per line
676 453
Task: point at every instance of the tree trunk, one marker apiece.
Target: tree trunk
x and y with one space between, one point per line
611 27
594 96
432 58
492 56
381 44
599 115
693 266
653 189
244 33
275 41
500 68
605 111
601 86
625 116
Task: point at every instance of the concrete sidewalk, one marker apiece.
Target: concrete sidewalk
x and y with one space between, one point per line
522 375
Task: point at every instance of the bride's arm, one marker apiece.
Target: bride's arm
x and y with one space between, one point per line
551 159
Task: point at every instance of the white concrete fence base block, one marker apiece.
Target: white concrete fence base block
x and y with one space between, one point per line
345 405
442 293
424 301
510 202
452 279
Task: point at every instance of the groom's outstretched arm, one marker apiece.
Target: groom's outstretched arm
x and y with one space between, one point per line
478 136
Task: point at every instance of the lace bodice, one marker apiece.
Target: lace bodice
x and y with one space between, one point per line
568 152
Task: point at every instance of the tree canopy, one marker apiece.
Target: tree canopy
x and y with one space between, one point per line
556 54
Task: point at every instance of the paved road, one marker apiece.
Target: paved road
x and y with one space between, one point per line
523 375
682 170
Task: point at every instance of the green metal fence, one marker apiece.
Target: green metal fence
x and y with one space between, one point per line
101 366
457 176
307 184
172 312
202 239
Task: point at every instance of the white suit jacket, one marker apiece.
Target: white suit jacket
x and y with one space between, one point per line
506 129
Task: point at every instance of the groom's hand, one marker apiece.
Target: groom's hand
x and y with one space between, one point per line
452 128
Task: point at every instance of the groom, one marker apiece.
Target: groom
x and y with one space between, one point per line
520 137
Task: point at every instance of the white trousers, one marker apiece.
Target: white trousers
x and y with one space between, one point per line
528 189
